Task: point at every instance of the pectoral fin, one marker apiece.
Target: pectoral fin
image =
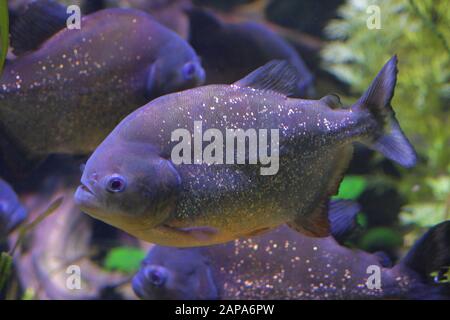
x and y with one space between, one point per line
150 86
199 233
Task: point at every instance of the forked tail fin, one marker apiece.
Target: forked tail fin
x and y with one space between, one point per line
389 139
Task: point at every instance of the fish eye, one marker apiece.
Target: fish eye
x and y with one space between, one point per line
116 184
157 277
189 70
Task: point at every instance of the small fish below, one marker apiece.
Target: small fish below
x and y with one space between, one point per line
67 89
132 182
12 213
284 264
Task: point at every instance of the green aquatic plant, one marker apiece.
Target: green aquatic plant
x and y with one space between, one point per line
5 268
6 258
124 259
441 276
417 31
4 32
380 237
351 187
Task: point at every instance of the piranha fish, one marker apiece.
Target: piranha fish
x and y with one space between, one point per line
12 213
230 51
67 94
284 264
131 182
170 13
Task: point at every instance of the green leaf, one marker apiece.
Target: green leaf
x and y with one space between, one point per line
361 219
4 32
424 214
23 230
29 294
351 187
440 277
380 237
124 259
5 268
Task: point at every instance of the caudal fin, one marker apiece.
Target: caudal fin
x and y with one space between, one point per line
430 259
389 140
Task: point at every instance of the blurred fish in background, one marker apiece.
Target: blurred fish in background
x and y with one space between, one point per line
283 264
230 51
79 84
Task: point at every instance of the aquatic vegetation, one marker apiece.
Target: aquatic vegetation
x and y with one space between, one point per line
419 35
124 259
6 258
4 32
351 187
5 268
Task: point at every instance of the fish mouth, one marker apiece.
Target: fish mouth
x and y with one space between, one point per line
85 197
85 188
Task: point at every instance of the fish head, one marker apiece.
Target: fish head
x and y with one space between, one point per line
129 186
12 213
177 70
174 273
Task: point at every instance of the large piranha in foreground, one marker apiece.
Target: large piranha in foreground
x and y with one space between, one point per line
284 264
136 181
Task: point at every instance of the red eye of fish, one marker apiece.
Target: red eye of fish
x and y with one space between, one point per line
116 184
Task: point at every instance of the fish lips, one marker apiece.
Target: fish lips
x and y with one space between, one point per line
85 197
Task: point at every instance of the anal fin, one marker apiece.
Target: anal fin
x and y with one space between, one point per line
315 224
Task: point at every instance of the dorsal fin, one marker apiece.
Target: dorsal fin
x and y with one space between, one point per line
277 75
35 23
332 100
